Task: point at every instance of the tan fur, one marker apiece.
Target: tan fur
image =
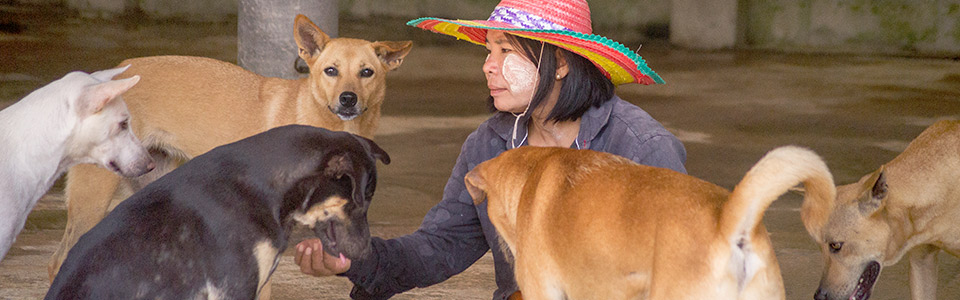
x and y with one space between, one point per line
266 255
185 106
917 214
330 208
583 224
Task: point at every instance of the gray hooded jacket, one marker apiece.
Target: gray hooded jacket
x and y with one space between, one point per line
456 233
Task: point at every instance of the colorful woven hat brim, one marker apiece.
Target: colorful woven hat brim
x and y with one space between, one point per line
615 60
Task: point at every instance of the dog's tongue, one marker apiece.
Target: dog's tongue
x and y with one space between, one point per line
343 259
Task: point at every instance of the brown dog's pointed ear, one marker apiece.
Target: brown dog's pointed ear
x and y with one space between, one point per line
310 39
476 186
392 53
95 97
876 193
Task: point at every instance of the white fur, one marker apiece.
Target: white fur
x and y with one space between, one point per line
75 119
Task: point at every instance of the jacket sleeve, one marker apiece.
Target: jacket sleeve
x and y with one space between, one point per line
449 240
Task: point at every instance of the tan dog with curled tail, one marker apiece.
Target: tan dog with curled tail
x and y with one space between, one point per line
583 224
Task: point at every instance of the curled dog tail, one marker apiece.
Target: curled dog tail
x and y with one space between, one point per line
772 176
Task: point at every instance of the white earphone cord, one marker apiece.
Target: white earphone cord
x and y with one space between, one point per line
513 139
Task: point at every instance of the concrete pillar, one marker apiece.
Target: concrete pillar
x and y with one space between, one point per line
265 43
703 24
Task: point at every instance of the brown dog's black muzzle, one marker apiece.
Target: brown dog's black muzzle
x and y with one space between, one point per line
861 291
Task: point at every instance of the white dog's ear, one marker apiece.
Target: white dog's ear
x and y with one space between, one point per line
876 193
107 75
96 96
310 39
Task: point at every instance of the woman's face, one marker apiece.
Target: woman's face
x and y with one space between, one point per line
511 77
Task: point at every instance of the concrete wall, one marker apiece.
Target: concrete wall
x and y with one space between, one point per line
903 27
704 24
189 10
607 12
928 27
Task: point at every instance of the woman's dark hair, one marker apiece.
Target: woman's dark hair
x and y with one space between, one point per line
583 87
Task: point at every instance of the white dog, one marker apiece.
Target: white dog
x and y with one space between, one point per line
79 118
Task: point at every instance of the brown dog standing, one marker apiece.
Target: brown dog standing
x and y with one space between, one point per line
583 224
911 204
185 106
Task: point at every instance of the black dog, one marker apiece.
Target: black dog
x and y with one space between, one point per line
215 227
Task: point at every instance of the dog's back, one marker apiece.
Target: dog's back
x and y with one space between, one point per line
170 240
654 228
153 258
194 103
591 225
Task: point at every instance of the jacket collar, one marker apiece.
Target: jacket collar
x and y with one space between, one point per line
592 122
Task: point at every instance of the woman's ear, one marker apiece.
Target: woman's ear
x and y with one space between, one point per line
562 68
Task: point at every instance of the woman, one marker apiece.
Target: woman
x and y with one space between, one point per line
552 83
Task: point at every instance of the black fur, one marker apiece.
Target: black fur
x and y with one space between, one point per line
199 223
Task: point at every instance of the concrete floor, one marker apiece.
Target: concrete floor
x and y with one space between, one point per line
729 107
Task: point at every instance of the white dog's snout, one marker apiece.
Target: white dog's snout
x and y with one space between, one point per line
135 162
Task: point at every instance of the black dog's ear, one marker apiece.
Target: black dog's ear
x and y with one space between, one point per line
371 148
339 165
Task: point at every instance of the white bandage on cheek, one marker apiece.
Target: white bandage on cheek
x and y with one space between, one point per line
520 73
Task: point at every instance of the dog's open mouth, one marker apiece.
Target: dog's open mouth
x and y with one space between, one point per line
114 167
866 281
330 244
331 235
346 114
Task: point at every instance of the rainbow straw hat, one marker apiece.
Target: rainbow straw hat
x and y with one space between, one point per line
564 23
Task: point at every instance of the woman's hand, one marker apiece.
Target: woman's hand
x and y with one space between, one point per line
314 261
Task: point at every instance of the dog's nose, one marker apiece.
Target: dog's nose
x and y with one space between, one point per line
348 99
820 295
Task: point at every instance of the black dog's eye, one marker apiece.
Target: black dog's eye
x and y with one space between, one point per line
366 73
835 246
124 125
331 71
